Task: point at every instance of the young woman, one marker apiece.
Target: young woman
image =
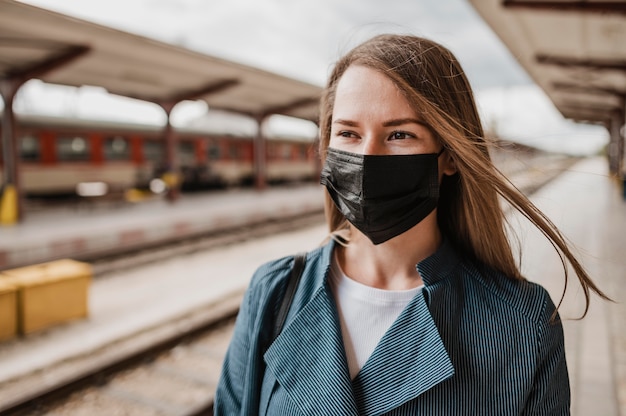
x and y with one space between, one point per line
416 305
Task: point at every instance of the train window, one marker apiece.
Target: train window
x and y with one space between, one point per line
71 149
233 151
186 153
303 152
286 151
116 148
271 151
154 151
214 152
30 150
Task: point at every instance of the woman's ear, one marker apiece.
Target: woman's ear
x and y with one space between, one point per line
447 165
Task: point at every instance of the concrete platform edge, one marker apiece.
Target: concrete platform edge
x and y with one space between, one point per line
25 387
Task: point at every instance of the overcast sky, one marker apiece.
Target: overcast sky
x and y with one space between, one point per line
303 38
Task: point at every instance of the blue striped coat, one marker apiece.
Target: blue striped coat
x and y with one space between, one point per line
472 343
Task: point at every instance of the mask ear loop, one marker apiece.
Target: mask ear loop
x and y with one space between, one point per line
443 149
339 239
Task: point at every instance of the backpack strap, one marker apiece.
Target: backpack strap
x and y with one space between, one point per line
292 284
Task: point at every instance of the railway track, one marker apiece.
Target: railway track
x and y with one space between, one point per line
90 386
169 370
103 265
177 379
173 370
178 360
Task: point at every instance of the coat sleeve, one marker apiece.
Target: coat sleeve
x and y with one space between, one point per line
229 396
238 389
550 394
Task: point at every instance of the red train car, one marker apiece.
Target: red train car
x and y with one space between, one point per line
57 154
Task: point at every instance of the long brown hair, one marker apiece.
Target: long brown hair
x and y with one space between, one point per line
469 210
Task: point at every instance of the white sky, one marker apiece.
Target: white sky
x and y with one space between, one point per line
302 39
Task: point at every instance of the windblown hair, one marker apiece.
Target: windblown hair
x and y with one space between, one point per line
469 210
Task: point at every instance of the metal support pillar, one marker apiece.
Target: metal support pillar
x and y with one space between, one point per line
613 147
171 176
621 135
621 162
260 156
10 202
616 149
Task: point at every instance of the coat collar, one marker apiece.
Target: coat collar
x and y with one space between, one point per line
309 361
409 360
308 357
439 265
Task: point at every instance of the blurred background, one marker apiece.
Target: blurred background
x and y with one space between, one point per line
301 40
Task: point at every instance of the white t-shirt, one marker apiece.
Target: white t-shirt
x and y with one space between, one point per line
365 312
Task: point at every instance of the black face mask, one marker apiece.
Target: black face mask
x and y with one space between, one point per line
382 195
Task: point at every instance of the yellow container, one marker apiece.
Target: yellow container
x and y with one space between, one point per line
50 293
8 310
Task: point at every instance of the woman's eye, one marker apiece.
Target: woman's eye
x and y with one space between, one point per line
346 134
400 135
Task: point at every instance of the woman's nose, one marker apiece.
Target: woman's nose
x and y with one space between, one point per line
372 147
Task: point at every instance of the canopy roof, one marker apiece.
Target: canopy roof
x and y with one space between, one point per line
575 50
37 43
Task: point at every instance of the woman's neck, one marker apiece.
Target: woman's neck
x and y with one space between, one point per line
390 265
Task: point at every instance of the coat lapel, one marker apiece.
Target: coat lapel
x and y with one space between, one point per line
308 360
409 360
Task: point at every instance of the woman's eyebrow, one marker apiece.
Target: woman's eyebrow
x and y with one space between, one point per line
402 121
346 122
390 123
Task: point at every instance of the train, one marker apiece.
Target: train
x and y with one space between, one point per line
58 155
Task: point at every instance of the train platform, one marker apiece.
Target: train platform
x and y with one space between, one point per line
136 306
87 230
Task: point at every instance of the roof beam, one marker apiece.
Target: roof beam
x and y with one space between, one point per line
194 94
569 62
286 108
579 114
52 62
583 89
212 88
280 109
31 43
576 106
597 112
607 7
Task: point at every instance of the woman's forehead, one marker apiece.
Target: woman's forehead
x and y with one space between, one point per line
366 92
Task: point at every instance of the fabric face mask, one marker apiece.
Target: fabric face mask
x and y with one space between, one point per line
382 195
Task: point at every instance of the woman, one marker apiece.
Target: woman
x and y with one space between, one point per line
416 305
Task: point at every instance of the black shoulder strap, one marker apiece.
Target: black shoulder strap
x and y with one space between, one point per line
292 284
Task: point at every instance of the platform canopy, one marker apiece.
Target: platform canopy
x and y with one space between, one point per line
574 50
37 43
